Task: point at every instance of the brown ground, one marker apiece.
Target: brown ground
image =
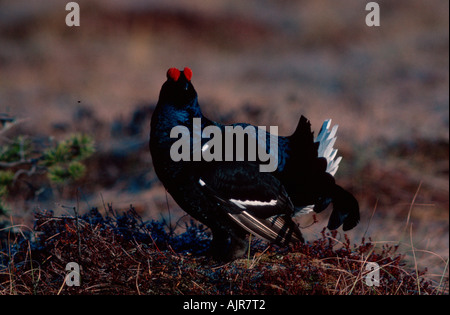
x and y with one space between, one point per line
263 63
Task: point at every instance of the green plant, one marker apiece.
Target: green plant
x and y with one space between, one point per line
62 161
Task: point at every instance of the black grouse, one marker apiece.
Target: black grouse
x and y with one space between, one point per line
234 198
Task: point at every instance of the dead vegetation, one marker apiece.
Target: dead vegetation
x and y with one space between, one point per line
121 254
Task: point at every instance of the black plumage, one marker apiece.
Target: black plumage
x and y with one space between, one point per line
234 197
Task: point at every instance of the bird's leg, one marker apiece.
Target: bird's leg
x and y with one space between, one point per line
219 245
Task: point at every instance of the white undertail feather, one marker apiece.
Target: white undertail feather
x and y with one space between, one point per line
326 139
242 203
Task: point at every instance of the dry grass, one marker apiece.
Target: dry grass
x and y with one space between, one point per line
121 254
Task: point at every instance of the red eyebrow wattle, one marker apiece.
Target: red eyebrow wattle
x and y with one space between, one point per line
173 73
187 73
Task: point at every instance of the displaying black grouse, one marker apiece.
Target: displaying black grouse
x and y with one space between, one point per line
234 198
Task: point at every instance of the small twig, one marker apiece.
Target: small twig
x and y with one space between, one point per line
409 213
104 206
370 220
171 230
154 243
415 260
32 270
412 205
177 224
255 259
249 247
77 225
62 286
442 278
137 278
173 252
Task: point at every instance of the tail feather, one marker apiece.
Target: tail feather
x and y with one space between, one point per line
279 229
326 139
345 210
345 206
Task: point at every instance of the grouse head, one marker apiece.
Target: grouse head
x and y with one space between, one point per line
178 89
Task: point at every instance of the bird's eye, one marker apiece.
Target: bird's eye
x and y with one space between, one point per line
173 73
187 73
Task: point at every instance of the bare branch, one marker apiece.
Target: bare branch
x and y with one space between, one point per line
7 122
16 163
29 173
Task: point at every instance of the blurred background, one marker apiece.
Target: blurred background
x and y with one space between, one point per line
263 62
